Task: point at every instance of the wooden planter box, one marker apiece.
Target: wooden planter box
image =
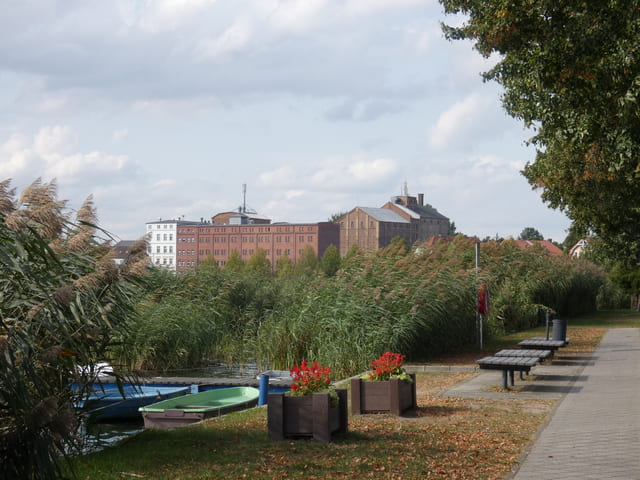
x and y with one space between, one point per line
306 416
393 396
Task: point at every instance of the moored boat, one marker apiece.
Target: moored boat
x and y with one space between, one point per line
177 412
107 403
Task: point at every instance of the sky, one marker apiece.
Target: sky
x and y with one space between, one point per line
164 109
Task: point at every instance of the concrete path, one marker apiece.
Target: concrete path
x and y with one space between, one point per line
594 432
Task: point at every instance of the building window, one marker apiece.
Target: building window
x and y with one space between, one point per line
158 249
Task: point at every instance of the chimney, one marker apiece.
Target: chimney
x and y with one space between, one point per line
421 199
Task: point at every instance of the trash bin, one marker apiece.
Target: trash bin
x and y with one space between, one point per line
559 329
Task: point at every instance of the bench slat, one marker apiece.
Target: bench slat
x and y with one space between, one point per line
508 362
543 354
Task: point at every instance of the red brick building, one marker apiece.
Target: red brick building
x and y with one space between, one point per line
404 216
195 243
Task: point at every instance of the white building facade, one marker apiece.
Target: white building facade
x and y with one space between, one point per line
162 237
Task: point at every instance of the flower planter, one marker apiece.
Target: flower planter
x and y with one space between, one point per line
393 396
306 416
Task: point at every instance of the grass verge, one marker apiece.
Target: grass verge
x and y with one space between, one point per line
446 438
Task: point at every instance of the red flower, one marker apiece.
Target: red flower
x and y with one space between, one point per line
388 365
309 379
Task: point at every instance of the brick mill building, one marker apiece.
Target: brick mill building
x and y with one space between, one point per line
404 216
194 242
181 245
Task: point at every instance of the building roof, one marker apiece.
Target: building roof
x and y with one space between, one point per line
421 211
383 215
125 243
177 222
550 247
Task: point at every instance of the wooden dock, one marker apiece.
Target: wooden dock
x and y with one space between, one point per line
209 382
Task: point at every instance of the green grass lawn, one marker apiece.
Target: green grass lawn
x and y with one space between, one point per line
446 438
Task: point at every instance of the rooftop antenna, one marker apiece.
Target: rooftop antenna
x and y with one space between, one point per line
244 198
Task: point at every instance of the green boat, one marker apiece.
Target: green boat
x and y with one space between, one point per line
193 408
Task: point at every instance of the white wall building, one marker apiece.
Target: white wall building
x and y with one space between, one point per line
162 238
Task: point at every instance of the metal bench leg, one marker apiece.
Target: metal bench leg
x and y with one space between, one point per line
521 375
505 385
511 374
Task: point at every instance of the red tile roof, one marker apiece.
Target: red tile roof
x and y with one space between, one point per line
550 247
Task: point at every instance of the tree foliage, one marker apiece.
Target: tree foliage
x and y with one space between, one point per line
330 261
234 262
571 71
307 262
259 264
62 299
284 266
530 233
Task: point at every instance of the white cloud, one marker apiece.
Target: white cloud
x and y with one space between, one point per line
293 15
168 15
51 155
343 172
279 177
73 166
120 134
368 7
15 157
458 121
232 39
55 140
292 194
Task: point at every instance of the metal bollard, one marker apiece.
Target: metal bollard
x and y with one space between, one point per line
264 390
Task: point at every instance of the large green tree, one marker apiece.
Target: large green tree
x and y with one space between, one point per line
258 263
330 261
307 262
530 233
571 71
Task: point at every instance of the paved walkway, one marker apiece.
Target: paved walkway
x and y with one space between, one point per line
594 432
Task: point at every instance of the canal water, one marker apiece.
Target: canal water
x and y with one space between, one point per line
97 436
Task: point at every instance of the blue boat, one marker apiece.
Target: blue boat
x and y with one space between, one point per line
106 403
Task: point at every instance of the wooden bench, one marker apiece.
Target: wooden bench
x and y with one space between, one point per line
541 354
508 365
566 340
542 344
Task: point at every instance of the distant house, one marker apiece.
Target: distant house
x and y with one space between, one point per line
578 249
550 247
121 251
404 216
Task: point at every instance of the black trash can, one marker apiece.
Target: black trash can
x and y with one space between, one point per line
559 329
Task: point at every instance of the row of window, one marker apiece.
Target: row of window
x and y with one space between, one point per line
161 249
165 261
247 239
165 237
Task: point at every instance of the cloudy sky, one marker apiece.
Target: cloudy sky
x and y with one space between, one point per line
165 108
